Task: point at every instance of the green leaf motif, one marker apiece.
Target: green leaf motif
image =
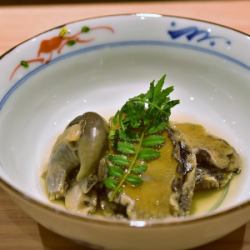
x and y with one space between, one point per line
173 103
134 180
139 169
111 134
157 128
148 154
153 140
85 29
24 63
120 160
115 171
110 183
159 85
125 148
115 118
71 42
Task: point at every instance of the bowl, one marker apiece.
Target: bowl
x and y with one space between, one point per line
96 64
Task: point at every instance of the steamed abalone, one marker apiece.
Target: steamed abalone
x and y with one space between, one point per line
151 200
205 162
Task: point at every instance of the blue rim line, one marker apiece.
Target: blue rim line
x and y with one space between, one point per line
116 45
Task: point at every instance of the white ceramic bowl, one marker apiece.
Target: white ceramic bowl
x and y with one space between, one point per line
49 79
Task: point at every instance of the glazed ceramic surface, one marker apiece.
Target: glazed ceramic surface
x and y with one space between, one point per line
95 65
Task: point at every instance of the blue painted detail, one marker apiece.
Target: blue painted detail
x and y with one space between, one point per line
194 33
118 45
212 43
173 23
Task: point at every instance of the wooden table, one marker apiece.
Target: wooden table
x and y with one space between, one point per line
18 231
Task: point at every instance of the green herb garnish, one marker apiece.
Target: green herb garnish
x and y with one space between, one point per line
24 63
71 42
136 136
85 29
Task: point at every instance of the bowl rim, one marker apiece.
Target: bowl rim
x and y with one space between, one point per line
120 15
124 223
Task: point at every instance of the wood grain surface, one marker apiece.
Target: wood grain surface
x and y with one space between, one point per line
18 231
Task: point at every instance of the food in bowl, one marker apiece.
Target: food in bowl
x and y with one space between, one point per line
139 165
211 78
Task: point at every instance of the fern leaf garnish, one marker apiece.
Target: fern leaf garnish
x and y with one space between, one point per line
136 136
153 140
